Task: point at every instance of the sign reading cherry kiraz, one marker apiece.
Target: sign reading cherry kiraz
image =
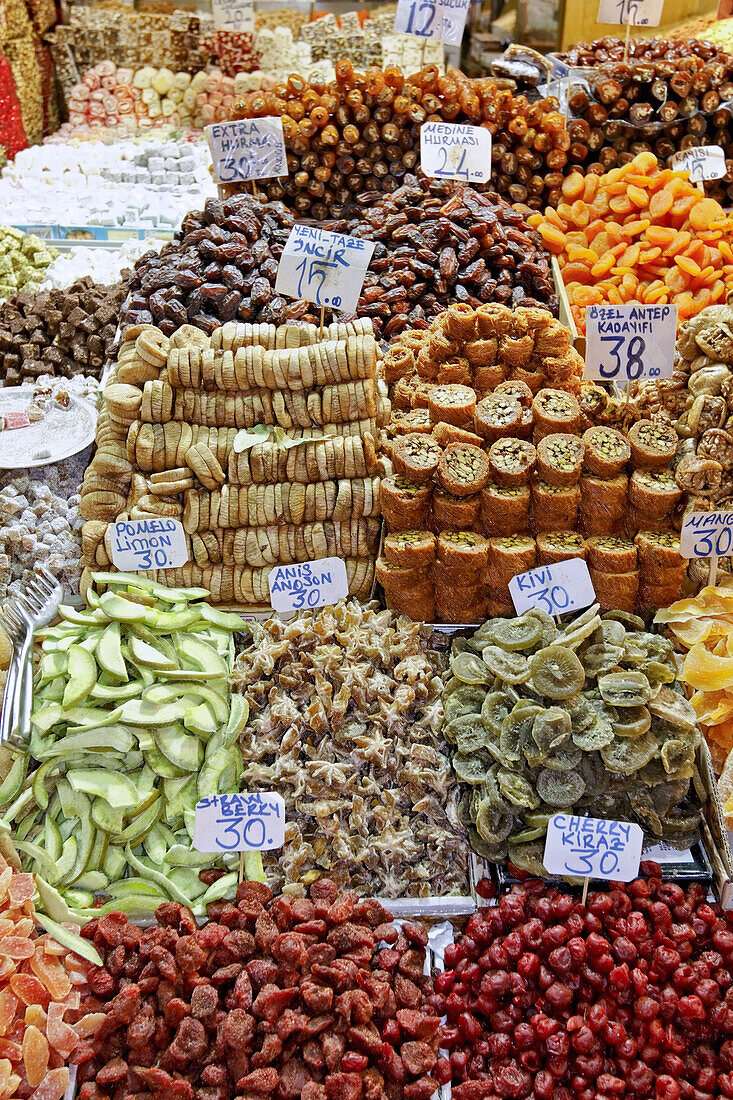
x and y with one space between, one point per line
592 847
451 151
308 584
239 823
558 589
248 149
148 544
629 342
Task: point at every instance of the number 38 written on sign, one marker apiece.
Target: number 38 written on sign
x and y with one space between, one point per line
633 367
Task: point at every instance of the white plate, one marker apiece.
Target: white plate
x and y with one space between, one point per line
61 434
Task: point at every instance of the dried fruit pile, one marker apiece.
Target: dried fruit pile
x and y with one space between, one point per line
639 233
346 712
250 499
292 997
703 625
359 136
628 995
583 718
441 243
696 400
223 264
132 724
42 1018
481 452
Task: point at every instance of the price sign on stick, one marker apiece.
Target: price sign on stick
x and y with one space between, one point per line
148 544
707 535
322 267
626 343
449 151
239 823
704 162
442 20
590 847
308 584
558 589
234 15
249 149
637 13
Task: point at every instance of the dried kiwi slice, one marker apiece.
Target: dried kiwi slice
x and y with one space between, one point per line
516 730
551 729
483 636
625 689
657 673
630 721
524 836
496 707
515 634
556 672
492 826
601 658
577 632
643 806
549 627
472 769
673 708
560 788
517 790
596 736
468 699
613 631
491 853
512 667
627 754
528 857
677 754
631 622
564 759
469 668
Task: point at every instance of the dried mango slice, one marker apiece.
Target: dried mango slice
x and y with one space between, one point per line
35 1055
706 670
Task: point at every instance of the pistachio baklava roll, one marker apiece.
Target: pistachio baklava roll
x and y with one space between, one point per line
411 549
416 457
606 452
555 546
505 510
554 507
511 461
602 503
611 554
452 513
453 404
404 504
653 444
498 417
560 458
555 411
463 469
654 493
509 556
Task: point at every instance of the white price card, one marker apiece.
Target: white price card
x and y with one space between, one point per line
148 544
638 13
442 20
704 162
559 588
450 151
590 847
626 343
322 267
239 823
249 149
234 15
707 535
308 584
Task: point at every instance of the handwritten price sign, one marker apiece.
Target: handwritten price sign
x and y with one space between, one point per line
239 823
450 151
593 847
148 544
234 15
626 343
250 149
309 584
704 162
707 535
639 13
558 589
442 20
322 267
